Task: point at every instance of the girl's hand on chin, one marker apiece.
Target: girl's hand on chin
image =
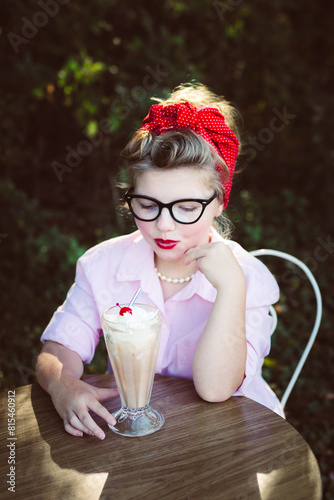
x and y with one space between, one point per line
218 264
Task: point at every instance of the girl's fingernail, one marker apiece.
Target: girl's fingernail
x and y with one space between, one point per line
101 435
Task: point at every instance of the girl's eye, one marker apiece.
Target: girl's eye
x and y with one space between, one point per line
189 208
146 206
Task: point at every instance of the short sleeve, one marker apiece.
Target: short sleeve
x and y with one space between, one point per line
262 292
76 323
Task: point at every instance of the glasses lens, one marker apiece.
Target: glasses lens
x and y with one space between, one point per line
144 209
187 211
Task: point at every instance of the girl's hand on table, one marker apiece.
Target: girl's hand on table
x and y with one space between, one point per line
73 399
217 262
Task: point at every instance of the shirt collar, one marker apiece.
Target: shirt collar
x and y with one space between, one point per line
138 265
138 259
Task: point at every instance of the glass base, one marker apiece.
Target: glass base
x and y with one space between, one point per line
136 422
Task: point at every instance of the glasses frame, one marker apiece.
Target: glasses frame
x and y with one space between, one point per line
128 197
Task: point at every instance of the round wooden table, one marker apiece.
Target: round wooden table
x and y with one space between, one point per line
236 450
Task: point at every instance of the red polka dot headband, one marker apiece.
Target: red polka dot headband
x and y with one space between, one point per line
207 122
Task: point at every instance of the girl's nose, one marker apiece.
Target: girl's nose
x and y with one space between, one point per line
165 222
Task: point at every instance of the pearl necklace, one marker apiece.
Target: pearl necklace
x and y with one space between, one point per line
174 280
178 280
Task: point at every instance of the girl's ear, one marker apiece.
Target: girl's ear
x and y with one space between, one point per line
219 208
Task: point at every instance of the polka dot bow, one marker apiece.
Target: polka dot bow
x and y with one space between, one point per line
207 122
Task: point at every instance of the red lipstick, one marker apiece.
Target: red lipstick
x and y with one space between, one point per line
165 244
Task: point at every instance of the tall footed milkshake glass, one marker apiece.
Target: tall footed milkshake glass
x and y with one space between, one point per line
132 337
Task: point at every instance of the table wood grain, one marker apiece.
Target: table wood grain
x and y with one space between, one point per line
236 450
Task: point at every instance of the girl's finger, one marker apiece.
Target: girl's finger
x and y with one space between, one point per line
90 424
74 422
191 250
194 254
72 430
102 412
104 393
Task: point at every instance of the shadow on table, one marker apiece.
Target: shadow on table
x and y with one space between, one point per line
86 468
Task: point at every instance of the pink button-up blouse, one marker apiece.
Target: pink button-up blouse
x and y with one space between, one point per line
113 270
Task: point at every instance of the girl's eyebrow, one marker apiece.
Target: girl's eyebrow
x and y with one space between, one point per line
177 199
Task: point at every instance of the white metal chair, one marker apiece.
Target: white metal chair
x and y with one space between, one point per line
301 265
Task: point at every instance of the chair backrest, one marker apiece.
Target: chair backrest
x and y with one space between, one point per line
301 265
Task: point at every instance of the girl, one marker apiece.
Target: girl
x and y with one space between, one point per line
213 296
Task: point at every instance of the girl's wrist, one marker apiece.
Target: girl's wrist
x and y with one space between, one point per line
237 284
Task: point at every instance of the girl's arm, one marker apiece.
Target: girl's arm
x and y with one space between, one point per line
58 371
220 357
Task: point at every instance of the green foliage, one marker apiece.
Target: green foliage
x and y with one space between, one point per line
38 265
78 87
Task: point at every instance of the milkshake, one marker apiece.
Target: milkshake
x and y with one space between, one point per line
132 337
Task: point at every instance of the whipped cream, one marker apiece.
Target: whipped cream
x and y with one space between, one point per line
137 319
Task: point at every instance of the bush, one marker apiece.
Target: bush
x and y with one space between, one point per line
38 264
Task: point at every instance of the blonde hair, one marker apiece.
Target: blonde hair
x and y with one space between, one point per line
176 148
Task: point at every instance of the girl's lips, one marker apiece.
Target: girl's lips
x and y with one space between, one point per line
166 244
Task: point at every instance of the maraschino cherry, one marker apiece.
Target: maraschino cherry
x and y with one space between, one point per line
124 310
